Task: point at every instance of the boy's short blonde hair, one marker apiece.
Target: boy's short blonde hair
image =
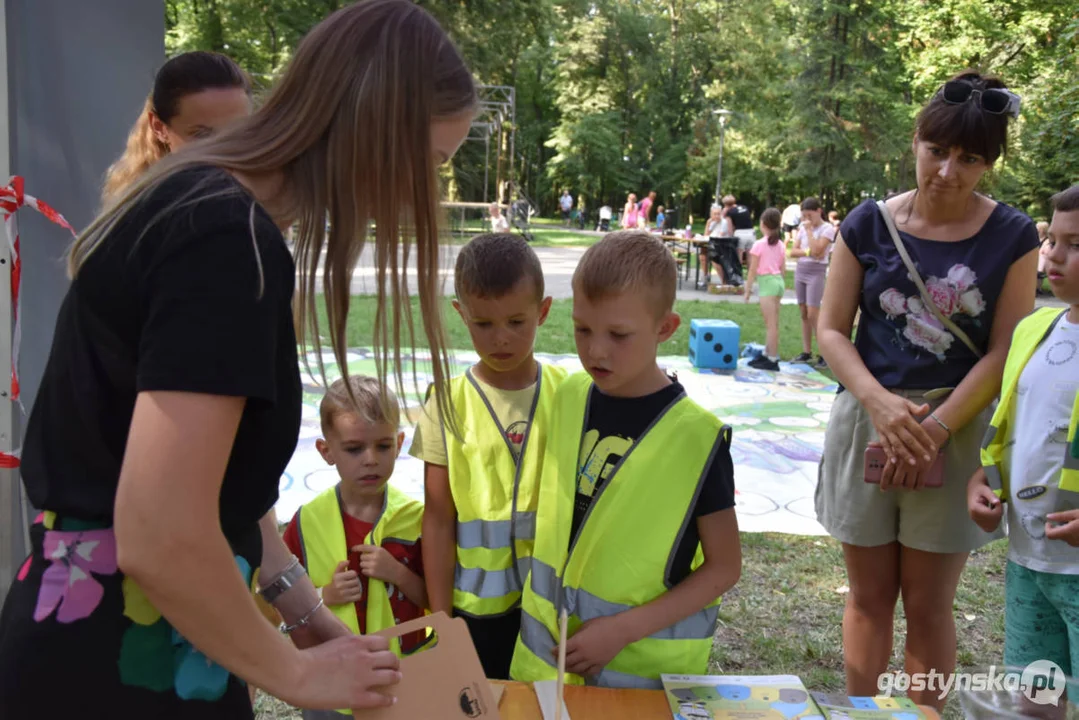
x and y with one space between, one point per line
373 403
628 261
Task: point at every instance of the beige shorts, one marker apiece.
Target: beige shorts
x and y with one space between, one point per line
858 513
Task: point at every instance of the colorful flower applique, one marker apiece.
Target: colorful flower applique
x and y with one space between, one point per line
146 648
153 655
68 582
197 676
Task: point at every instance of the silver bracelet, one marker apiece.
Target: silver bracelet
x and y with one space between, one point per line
303 622
946 428
284 582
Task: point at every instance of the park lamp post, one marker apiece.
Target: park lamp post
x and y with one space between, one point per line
722 115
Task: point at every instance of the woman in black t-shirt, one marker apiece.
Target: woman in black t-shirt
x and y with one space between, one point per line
171 400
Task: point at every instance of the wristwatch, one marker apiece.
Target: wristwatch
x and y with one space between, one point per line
283 582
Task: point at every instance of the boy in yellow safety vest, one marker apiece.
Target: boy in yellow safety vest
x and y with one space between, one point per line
636 536
1030 461
360 540
482 469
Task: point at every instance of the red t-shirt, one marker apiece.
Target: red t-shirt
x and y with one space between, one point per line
356 532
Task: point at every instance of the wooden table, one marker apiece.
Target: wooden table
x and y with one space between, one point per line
591 703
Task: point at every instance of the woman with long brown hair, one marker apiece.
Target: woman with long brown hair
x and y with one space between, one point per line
194 94
171 402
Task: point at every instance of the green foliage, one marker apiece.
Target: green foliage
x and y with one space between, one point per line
616 96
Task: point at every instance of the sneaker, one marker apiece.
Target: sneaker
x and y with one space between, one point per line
803 358
763 362
821 362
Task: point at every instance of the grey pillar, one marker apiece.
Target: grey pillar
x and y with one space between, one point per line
78 72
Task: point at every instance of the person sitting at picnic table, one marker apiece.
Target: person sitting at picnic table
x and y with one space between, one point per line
499 223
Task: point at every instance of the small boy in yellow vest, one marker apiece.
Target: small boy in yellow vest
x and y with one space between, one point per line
360 540
481 470
636 536
1030 461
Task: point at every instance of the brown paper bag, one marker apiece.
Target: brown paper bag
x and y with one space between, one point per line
445 682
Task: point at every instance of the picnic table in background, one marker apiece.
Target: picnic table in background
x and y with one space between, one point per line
688 251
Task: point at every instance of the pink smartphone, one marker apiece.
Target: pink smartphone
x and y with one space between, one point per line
874 467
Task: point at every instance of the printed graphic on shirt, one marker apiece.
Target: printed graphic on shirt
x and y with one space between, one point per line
916 326
1061 352
515 434
598 458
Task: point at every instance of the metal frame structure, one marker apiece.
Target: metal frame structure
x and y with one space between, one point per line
497 113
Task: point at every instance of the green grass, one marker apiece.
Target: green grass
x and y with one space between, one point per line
785 614
556 335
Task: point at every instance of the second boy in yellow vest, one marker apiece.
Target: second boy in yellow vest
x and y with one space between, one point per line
481 475
636 536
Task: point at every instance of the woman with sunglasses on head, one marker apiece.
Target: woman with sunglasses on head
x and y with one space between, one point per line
917 381
194 95
171 401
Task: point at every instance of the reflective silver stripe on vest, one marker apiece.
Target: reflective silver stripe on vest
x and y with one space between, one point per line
585 606
495 534
489 584
992 474
545 582
614 679
989 437
537 638
1070 462
698 626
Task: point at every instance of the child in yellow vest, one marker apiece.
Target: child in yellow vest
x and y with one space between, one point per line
482 469
360 540
636 536
1030 464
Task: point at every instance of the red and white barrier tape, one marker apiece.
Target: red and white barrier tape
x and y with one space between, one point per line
12 197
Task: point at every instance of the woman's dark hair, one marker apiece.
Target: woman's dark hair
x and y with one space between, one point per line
811 203
771 219
181 76
965 125
190 73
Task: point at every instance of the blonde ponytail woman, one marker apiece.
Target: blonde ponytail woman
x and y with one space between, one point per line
194 95
171 402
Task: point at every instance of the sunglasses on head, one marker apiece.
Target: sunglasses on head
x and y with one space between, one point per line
995 101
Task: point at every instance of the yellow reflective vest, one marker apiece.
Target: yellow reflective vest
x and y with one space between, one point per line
625 545
495 495
322 537
1029 334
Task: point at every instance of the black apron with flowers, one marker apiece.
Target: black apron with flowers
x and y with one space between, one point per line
80 639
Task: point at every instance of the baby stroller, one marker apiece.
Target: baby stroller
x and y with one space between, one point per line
520 212
605 215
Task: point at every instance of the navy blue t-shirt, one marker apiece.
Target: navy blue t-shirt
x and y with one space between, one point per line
900 340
